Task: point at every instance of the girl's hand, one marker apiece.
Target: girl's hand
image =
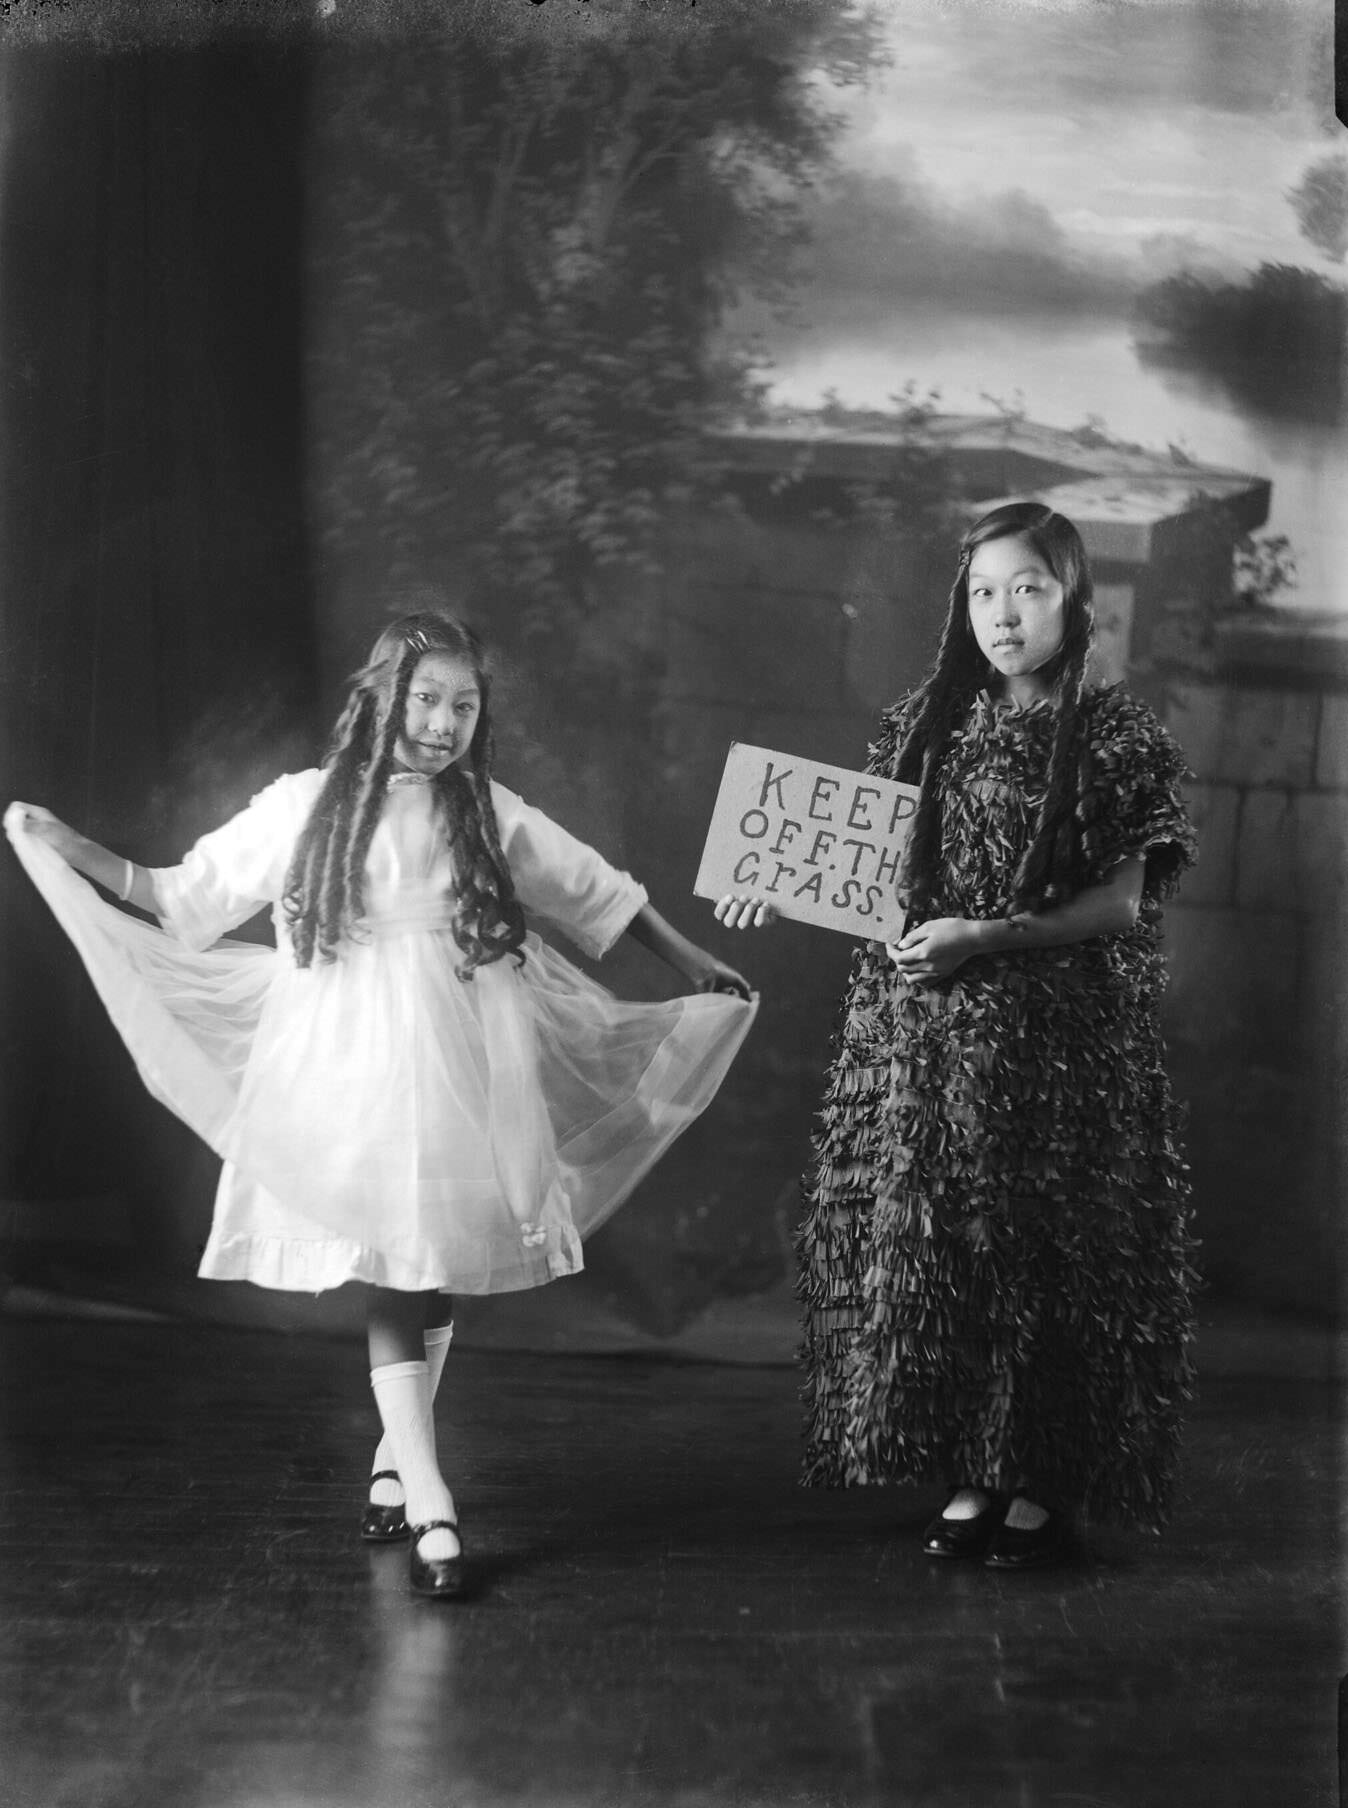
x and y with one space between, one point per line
703 971
708 974
739 912
42 825
933 950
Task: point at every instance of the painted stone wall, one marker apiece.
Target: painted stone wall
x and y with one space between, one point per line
1259 956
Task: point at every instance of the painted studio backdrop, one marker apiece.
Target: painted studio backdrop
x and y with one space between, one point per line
676 345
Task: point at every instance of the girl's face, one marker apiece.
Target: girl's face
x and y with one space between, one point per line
444 702
1016 613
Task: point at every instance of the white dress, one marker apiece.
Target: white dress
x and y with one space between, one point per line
381 1119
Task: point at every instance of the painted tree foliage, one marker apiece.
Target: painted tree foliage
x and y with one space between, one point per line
530 226
1275 340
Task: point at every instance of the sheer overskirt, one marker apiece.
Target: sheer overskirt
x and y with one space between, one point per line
382 1119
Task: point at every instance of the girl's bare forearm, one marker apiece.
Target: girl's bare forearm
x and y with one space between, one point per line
1107 909
654 932
120 876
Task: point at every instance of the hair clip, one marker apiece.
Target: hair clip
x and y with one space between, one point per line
417 640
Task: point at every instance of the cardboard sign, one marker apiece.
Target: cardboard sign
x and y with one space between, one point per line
819 843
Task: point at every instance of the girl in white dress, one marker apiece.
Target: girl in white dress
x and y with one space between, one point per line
411 1090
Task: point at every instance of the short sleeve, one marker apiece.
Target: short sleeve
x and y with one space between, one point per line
561 879
1133 806
237 869
883 753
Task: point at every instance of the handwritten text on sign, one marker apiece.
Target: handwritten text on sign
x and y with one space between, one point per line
820 843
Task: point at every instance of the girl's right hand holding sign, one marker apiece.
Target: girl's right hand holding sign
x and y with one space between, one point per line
739 912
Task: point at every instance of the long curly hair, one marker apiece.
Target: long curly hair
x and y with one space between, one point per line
1049 871
324 889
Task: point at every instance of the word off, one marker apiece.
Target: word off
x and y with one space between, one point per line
819 843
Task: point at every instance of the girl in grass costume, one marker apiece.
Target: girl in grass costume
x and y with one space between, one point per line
995 1256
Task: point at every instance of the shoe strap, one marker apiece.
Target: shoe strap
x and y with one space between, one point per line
434 1525
385 1475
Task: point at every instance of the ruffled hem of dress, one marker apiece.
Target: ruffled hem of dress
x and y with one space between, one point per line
300 1265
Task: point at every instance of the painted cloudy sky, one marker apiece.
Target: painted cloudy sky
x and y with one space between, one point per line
1019 170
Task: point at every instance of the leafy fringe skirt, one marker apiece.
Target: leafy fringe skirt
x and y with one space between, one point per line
995 1260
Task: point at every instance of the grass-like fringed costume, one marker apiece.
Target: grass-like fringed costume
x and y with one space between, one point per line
996 1267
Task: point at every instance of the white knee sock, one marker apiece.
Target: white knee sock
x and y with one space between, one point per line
403 1395
390 1494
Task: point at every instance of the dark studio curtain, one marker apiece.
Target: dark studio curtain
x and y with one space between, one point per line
158 639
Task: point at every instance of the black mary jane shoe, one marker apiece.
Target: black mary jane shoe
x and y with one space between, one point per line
964 1537
1015 1547
384 1525
438 1578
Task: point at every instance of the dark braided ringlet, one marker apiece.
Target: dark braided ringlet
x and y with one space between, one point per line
324 890
1050 872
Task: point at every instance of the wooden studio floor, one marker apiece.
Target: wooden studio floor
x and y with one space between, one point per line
663 1619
